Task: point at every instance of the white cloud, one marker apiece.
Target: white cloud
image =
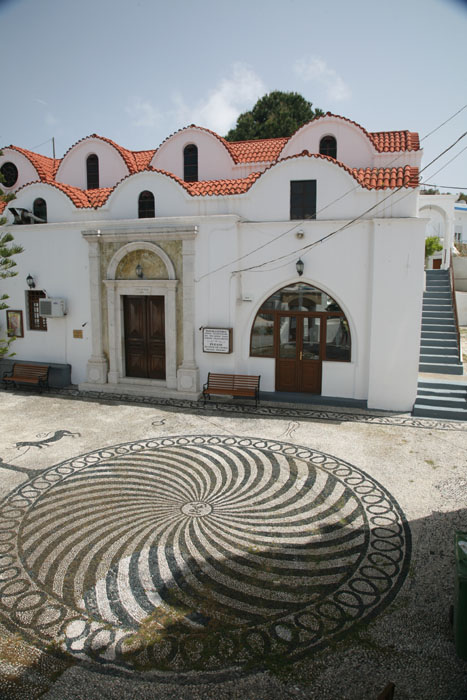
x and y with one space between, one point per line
142 112
220 109
316 70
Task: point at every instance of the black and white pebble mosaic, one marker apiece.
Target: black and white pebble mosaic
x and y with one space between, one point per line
198 553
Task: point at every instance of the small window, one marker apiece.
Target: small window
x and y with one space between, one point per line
92 172
190 163
39 209
10 174
328 146
36 322
146 206
303 199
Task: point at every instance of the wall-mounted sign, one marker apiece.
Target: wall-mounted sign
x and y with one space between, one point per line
217 340
77 333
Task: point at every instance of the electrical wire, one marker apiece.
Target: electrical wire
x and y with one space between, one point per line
357 218
319 211
445 122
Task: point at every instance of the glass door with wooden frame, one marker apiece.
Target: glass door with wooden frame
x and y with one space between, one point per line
299 353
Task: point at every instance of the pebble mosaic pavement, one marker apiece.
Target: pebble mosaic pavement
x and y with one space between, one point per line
198 553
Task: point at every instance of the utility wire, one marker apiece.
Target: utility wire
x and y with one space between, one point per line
447 120
353 221
319 211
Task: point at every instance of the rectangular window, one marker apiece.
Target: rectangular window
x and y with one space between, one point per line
303 199
36 322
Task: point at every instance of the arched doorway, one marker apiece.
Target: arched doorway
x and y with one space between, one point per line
300 326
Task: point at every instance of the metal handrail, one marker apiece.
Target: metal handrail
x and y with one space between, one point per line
454 306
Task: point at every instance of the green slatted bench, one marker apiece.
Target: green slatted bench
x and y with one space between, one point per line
244 385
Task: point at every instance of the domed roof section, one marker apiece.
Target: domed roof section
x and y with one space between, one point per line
114 162
214 158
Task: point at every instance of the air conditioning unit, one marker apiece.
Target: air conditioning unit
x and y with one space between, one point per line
52 308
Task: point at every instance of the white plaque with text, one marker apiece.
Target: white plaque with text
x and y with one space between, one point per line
217 340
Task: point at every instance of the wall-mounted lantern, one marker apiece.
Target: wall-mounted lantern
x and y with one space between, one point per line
300 265
139 271
30 282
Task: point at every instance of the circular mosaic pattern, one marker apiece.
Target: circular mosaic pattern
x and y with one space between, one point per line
198 553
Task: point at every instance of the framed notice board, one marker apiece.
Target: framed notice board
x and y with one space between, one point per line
217 340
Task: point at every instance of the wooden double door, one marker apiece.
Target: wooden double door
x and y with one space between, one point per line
144 322
299 352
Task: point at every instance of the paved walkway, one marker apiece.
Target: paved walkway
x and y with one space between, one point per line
159 549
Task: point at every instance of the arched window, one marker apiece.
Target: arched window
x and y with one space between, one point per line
324 329
190 163
92 172
10 174
328 146
146 206
39 209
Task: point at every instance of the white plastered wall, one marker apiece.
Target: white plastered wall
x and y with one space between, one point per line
112 167
214 161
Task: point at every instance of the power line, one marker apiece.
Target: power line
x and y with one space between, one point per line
334 201
357 218
445 122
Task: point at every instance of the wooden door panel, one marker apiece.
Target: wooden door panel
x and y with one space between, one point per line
298 353
144 324
135 344
156 337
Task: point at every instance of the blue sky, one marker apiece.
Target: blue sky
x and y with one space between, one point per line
138 71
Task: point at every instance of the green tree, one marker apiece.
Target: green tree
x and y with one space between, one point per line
430 190
276 114
432 245
462 197
8 249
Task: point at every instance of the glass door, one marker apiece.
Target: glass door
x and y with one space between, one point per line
298 354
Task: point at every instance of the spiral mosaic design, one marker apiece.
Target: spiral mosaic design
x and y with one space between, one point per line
198 553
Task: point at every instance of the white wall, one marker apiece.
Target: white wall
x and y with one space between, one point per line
214 161
57 258
395 309
112 167
378 286
26 171
461 300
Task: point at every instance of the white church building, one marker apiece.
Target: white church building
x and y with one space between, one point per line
299 259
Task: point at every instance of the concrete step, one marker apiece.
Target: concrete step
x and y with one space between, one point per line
450 359
443 399
433 332
441 385
446 343
440 368
439 412
445 316
438 306
437 294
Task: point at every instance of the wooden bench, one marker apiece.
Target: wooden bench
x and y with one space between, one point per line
31 375
245 385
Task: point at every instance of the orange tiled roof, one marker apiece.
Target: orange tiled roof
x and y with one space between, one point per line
221 187
259 151
46 167
370 178
143 158
383 141
387 178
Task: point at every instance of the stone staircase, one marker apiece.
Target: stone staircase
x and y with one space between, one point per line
439 354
